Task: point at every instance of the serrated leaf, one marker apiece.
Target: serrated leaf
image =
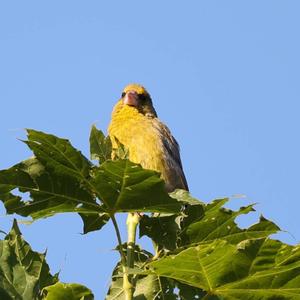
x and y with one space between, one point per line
50 193
100 146
201 222
147 287
125 186
116 291
67 291
162 230
23 272
219 222
58 154
193 208
186 198
252 269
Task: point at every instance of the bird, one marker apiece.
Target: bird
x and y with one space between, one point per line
135 124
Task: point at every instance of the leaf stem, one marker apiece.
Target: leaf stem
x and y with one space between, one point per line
132 222
127 285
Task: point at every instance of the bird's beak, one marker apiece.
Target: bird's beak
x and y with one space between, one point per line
131 98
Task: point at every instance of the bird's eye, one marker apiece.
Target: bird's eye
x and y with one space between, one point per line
123 94
142 97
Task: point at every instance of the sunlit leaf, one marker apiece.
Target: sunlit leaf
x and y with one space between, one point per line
116 291
147 287
219 222
23 272
252 269
193 208
67 291
125 186
202 252
100 145
58 154
50 193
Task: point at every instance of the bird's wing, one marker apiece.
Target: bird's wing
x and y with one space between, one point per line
172 148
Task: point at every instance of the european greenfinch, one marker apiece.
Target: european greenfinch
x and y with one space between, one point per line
134 123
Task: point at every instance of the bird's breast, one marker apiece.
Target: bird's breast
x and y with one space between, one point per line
140 135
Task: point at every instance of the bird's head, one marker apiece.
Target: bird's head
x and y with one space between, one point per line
137 97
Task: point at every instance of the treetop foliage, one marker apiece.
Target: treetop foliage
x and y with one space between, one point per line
200 251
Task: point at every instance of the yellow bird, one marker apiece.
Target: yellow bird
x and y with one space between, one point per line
134 123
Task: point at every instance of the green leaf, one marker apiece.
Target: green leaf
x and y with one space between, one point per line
162 230
58 154
153 287
120 152
115 291
187 292
252 269
218 222
147 287
125 186
193 208
186 198
68 291
100 146
23 272
201 222
92 222
50 193
60 179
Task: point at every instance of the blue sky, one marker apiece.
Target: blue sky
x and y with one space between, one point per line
223 75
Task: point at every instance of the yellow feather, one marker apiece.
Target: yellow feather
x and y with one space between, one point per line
146 138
